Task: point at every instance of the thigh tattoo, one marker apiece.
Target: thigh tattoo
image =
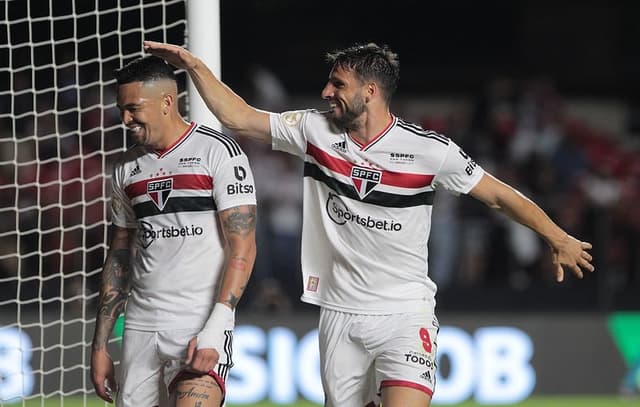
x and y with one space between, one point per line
200 391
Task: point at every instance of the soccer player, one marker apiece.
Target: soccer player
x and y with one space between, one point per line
369 183
181 252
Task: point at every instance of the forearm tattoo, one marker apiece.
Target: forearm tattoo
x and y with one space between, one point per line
114 292
240 220
233 299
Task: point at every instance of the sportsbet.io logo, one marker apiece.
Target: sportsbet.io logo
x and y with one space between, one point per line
340 214
147 234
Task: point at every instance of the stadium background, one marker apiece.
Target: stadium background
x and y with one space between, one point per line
545 95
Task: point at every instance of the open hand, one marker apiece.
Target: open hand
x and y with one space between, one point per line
173 54
572 255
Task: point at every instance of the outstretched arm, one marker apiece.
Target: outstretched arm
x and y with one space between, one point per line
239 226
568 252
232 111
113 294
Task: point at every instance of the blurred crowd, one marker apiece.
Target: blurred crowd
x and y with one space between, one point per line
54 199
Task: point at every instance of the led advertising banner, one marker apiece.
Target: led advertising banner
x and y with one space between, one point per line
492 358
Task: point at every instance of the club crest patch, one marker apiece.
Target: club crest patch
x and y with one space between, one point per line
365 180
159 191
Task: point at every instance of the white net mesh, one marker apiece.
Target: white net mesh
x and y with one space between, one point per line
59 132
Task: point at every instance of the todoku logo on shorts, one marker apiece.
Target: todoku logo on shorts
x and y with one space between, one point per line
159 191
365 179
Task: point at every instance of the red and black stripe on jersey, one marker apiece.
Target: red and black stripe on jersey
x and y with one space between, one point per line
176 203
386 199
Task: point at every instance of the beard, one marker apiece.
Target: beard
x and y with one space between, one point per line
350 115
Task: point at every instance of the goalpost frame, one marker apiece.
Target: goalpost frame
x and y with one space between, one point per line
203 39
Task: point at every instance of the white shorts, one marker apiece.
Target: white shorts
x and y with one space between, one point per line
361 354
152 361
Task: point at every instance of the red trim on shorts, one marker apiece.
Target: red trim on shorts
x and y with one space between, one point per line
184 375
403 383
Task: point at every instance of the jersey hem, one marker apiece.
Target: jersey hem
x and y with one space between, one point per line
398 309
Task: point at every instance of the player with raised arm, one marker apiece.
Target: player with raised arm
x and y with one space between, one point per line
182 250
369 182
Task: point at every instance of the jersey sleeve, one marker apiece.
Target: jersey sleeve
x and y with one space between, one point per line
122 213
233 183
287 132
458 173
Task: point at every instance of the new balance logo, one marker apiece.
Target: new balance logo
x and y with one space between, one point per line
340 146
135 171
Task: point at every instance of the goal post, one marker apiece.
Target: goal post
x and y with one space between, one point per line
59 135
203 33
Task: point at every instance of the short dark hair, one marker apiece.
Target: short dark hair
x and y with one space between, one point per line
370 62
144 69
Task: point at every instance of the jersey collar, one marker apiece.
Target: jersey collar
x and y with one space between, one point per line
385 131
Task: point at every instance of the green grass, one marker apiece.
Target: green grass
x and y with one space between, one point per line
557 401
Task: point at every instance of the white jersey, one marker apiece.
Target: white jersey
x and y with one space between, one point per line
171 198
367 209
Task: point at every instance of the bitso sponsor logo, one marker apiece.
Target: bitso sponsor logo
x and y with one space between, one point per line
159 191
239 172
365 180
341 214
237 187
148 234
471 165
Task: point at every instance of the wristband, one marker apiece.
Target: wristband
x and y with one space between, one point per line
212 334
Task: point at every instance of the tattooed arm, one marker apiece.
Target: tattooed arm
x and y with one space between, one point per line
239 226
113 294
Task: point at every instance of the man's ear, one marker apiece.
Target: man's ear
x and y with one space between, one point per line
372 90
167 102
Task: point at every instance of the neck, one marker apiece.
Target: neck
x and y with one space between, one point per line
371 127
174 130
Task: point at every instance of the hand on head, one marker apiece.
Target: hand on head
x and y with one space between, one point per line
173 54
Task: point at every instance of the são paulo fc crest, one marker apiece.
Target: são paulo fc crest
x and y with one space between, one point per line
365 179
159 191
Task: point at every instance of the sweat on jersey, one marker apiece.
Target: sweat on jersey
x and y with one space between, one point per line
171 198
367 209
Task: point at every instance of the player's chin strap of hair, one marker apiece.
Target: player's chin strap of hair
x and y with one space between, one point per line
220 320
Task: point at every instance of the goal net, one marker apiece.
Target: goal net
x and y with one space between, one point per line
59 133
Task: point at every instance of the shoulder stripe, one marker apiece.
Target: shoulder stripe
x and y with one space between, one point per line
417 130
230 144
